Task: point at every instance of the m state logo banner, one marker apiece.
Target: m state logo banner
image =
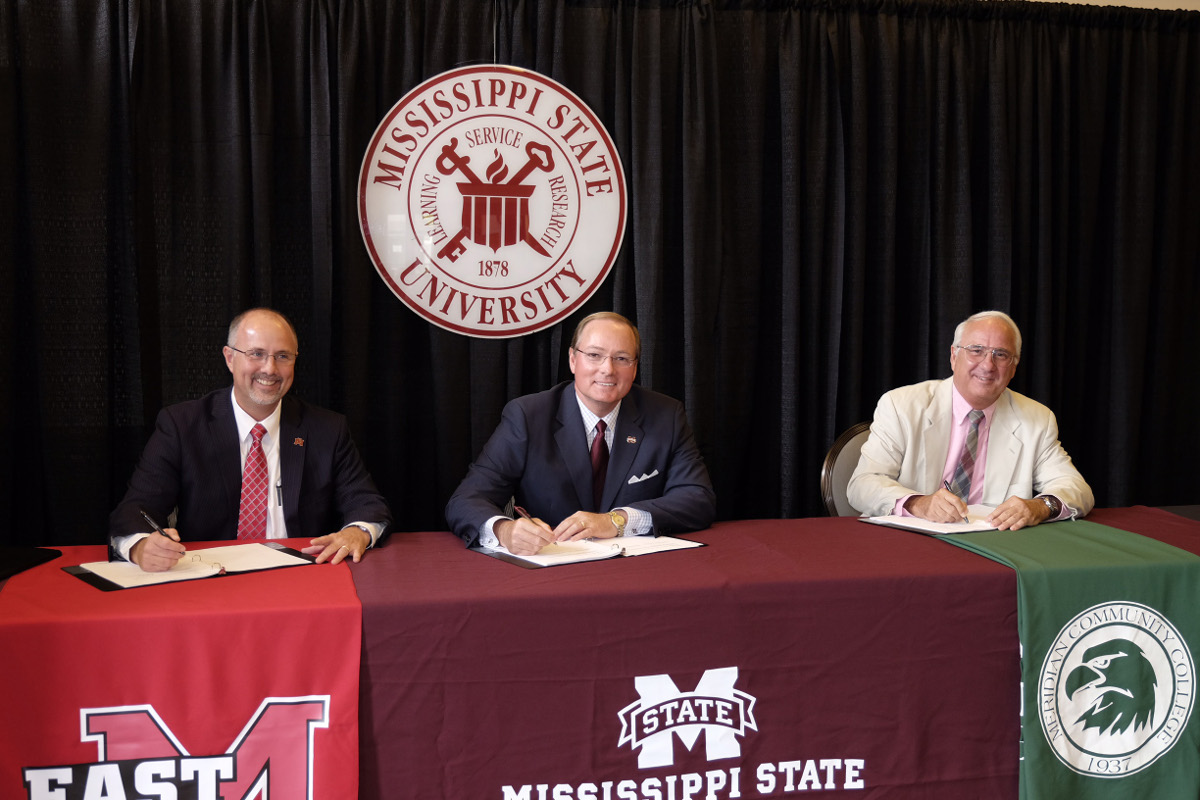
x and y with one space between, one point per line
492 201
724 715
662 712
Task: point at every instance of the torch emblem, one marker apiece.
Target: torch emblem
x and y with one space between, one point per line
495 213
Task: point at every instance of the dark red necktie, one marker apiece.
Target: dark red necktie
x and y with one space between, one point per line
599 464
252 514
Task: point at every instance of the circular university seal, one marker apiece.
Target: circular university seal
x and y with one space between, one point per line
1115 690
492 201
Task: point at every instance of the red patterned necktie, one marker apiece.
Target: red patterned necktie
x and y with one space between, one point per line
599 464
252 514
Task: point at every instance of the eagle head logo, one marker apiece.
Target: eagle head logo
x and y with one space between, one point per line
1119 681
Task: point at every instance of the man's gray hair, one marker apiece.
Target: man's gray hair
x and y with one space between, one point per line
958 332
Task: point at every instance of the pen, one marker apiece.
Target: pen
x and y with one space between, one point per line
523 513
154 524
951 491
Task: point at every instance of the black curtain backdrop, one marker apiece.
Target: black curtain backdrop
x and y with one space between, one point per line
819 192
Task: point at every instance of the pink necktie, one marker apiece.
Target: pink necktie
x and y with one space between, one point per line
252 514
599 464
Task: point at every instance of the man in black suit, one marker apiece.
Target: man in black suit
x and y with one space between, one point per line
540 456
315 481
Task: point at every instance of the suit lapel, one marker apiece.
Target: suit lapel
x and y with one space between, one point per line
627 438
292 450
223 434
1004 450
571 440
938 421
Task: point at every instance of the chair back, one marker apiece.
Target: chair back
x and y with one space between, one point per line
839 465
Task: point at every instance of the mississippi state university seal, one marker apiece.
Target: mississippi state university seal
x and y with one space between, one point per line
492 201
1116 689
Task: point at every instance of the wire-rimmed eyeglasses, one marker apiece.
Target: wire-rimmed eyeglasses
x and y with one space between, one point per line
282 358
976 352
596 359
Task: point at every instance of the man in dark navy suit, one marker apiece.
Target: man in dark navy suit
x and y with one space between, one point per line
652 478
314 480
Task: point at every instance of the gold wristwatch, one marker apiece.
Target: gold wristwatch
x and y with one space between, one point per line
618 521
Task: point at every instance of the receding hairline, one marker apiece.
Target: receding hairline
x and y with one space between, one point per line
235 326
990 314
611 316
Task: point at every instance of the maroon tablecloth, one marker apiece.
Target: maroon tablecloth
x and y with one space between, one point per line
875 658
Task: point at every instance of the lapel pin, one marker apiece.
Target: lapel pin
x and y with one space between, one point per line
298 442
630 440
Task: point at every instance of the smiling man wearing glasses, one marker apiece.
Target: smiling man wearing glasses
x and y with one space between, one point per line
249 463
592 458
937 446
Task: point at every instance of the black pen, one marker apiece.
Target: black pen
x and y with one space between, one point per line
154 524
951 491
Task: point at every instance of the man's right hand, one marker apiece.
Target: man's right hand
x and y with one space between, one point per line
941 506
157 553
523 537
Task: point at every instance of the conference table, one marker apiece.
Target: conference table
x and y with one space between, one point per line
822 657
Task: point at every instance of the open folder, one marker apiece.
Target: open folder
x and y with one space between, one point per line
195 564
590 550
976 521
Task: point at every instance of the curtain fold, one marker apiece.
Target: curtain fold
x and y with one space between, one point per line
819 192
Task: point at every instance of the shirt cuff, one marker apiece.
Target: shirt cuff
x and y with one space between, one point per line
373 529
899 510
123 544
487 536
637 522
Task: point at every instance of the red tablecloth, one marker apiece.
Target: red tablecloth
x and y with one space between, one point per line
162 678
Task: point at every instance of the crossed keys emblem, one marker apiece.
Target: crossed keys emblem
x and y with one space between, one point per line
494 214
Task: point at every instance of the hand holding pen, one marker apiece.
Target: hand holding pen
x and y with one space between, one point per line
962 500
157 553
524 536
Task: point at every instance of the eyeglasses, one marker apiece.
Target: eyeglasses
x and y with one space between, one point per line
596 359
976 352
283 359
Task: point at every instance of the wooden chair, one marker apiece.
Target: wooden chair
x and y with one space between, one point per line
839 465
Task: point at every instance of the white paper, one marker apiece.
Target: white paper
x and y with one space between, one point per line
598 549
976 521
197 564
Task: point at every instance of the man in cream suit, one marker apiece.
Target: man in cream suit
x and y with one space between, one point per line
539 456
913 461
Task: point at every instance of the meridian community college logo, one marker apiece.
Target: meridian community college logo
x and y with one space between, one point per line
492 201
722 712
140 757
1115 690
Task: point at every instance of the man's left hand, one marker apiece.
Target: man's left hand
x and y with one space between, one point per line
350 542
1015 513
585 525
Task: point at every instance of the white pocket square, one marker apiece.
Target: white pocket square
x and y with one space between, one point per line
644 477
